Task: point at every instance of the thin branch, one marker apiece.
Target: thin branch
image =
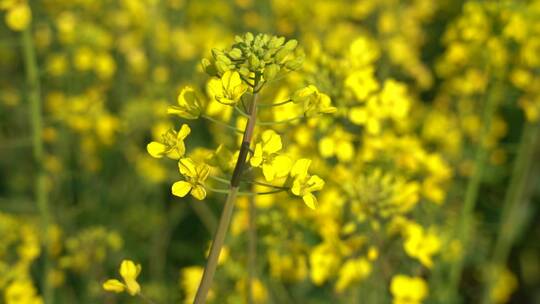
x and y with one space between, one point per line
221 123
271 123
270 105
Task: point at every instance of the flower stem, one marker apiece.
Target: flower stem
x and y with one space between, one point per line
271 105
271 123
221 123
36 119
252 248
145 299
226 215
473 187
515 202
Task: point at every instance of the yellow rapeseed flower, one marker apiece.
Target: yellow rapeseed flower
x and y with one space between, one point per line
172 144
408 290
266 157
195 175
189 106
304 184
129 272
229 89
18 17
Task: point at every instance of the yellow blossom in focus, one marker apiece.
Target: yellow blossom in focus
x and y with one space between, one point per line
266 157
229 89
172 144
304 184
195 175
189 106
314 102
129 272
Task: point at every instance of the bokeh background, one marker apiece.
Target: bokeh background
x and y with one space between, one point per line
431 163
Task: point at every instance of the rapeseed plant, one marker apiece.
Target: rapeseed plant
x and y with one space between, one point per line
386 154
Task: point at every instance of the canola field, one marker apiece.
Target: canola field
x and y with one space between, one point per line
269 151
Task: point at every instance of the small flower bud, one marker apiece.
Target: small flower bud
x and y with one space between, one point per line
235 54
290 45
271 71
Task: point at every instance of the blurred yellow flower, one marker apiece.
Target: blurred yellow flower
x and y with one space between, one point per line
408 290
18 16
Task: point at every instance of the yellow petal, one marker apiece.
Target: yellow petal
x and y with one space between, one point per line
296 187
178 152
315 183
156 149
133 287
272 141
300 167
310 200
187 167
187 97
203 170
114 286
199 192
183 132
181 188
128 270
231 80
215 87
268 172
257 159
282 165
326 104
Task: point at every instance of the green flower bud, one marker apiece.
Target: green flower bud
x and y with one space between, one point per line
281 54
253 62
271 71
222 67
248 38
276 42
208 67
235 54
244 71
290 45
216 53
294 64
224 59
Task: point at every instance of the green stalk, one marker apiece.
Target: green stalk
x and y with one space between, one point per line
226 215
252 248
473 187
36 119
514 202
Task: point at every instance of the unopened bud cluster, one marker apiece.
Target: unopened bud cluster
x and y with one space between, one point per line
262 55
